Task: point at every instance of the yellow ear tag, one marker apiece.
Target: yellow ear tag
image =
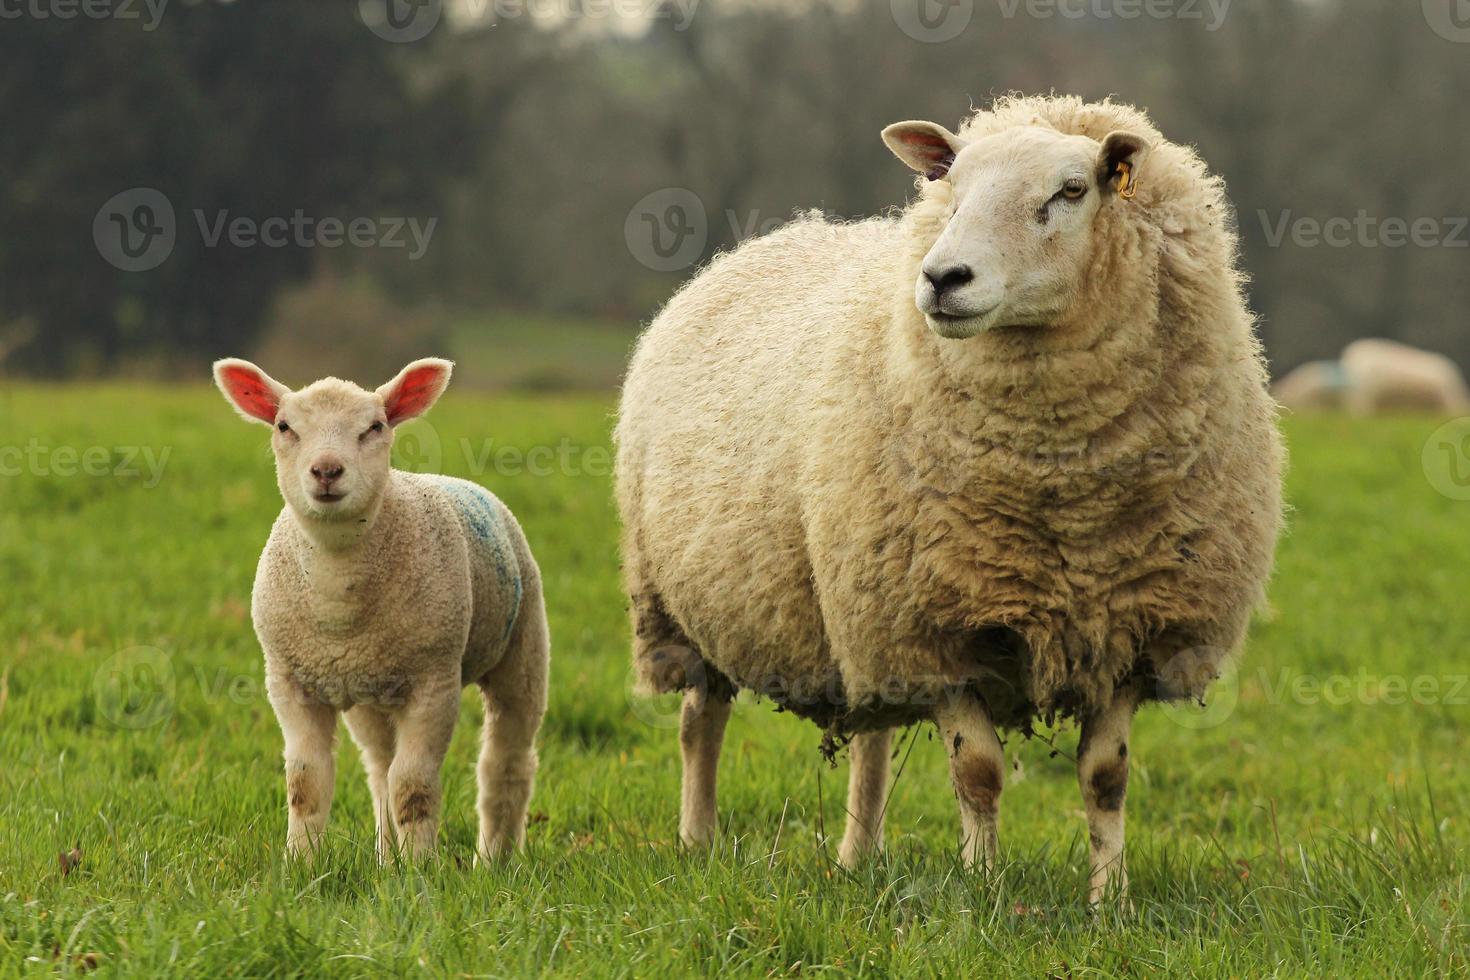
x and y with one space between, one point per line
1127 189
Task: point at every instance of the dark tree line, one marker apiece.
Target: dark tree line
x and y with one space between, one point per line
531 143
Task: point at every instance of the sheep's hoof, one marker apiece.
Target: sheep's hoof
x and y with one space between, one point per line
853 856
1121 904
495 852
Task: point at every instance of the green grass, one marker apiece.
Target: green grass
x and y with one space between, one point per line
540 353
1286 835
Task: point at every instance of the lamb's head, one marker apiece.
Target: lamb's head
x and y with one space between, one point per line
333 441
1019 237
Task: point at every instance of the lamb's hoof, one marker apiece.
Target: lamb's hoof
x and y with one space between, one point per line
697 838
1120 904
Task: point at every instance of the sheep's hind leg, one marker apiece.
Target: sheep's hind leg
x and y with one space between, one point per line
867 792
515 701
1102 772
310 731
373 733
424 726
976 764
701 736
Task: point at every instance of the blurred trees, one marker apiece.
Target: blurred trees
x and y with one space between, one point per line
257 108
532 141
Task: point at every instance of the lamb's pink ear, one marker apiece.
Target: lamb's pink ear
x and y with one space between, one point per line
255 394
926 147
416 389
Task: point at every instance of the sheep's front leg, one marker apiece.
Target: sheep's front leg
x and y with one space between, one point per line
701 736
1102 772
310 732
373 732
976 764
424 726
867 792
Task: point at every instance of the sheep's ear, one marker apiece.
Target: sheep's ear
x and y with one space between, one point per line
1120 161
254 394
416 389
926 147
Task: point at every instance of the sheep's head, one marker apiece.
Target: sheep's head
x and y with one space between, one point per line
333 441
1019 238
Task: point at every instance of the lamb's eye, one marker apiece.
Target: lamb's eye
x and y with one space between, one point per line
283 427
375 427
1074 189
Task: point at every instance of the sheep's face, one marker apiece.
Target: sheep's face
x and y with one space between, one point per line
332 440
1018 241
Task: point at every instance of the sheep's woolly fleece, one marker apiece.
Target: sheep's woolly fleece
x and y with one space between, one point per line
825 502
436 586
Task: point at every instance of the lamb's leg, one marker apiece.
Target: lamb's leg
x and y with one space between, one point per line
310 731
867 792
976 764
1102 771
701 736
424 726
373 732
515 701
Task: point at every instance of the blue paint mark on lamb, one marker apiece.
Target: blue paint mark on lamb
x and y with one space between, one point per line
480 510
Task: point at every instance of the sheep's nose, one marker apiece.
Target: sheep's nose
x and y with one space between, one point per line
949 279
327 470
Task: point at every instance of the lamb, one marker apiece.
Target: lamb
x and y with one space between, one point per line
380 595
1006 456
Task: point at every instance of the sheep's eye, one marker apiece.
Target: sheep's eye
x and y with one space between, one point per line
283 427
1074 189
375 427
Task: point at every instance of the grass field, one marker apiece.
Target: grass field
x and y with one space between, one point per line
1312 821
539 353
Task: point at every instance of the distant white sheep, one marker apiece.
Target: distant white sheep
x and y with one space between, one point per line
380 595
1007 456
1387 376
1312 387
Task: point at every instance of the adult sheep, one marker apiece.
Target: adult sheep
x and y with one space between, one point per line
1008 455
1385 376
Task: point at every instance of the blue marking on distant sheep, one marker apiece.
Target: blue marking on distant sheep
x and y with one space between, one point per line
480 512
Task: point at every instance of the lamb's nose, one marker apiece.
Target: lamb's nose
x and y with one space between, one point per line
950 279
326 471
